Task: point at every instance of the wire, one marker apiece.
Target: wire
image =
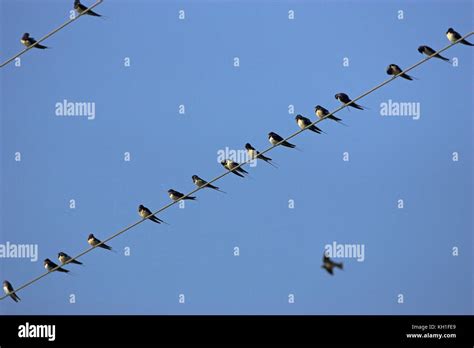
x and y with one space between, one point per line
51 33
241 164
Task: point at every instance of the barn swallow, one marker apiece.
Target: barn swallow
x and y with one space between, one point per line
80 8
144 212
253 154
274 139
8 288
50 265
322 112
63 258
394 69
29 41
203 183
93 241
429 52
454 36
329 265
304 122
344 98
233 167
175 195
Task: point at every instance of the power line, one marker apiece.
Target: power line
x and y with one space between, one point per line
51 33
240 165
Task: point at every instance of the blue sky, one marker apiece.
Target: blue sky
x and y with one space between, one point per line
282 62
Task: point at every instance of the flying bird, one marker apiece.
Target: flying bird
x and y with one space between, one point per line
8 288
144 212
50 265
203 183
344 98
28 41
394 69
253 154
329 265
454 36
429 52
234 167
274 139
322 112
93 241
80 8
64 258
175 195
304 122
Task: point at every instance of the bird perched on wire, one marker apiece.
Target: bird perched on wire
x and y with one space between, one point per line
50 265
144 212
93 241
344 98
323 113
80 8
175 195
65 258
254 154
8 289
304 122
28 41
203 183
234 167
276 139
394 69
429 52
454 36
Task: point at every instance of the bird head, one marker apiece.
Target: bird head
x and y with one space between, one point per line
341 96
91 236
421 48
450 30
248 146
25 36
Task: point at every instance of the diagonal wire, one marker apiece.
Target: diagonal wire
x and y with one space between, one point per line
51 33
240 165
